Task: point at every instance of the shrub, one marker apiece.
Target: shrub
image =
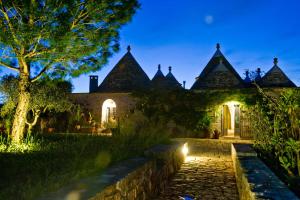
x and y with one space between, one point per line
276 123
139 128
47 162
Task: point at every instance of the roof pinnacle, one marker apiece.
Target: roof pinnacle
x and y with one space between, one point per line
170 69
128 48
158 67
218 46
275 61
247 73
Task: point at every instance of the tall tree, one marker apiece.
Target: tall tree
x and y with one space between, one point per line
57 37
46 95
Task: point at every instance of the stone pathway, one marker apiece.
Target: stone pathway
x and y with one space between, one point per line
206 174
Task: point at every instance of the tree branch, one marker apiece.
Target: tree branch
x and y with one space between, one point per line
36 45
36 115
34 53
44 70
77 18
45 109
9 24
260 90
9 67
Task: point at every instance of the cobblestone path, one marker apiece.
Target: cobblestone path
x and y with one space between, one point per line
206 174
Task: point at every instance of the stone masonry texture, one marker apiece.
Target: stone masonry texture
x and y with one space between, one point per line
206 174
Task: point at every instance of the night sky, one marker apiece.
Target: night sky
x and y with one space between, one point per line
183 34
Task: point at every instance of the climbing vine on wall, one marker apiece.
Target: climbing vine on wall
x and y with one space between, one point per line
187 108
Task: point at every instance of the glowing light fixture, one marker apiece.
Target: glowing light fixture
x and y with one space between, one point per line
185 149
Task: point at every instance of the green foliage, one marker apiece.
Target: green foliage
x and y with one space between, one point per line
74 119
58 39
30 144
179 106
76 115
141 129
47 96
188 109
48 162
51 95
204 122
8 87
66 36
275 120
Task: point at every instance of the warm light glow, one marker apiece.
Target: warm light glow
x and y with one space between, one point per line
232 103
108 111
231 117
185 149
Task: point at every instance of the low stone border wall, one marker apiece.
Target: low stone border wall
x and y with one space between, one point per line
138 178
254 179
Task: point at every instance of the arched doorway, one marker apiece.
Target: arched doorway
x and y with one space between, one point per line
109 109
231 119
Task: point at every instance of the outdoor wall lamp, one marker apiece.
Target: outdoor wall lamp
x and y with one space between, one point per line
185 149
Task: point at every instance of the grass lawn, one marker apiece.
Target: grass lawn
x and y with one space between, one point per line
55 160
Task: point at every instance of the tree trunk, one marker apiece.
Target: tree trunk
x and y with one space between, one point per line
36 115
19 122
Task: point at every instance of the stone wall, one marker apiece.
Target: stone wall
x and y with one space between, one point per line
254 179
138 178
93 102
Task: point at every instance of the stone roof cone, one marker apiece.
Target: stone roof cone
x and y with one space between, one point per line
218 73
159 80
275 77
159 73
172 81
126 76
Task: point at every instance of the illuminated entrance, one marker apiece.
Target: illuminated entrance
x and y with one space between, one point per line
108 112
231 119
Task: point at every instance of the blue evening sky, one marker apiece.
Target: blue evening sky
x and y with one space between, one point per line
183 34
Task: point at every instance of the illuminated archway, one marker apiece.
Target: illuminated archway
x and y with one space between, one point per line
109 109
231 118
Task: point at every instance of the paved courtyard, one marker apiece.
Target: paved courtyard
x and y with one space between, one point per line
206 174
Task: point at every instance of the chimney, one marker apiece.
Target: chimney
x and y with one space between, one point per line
93 83
184 84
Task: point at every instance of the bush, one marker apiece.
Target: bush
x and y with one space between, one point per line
275 120
179 107
47 162
141 129
189 110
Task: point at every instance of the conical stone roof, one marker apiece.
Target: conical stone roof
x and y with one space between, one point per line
218 73
171 80
159 80
126 76
275 77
